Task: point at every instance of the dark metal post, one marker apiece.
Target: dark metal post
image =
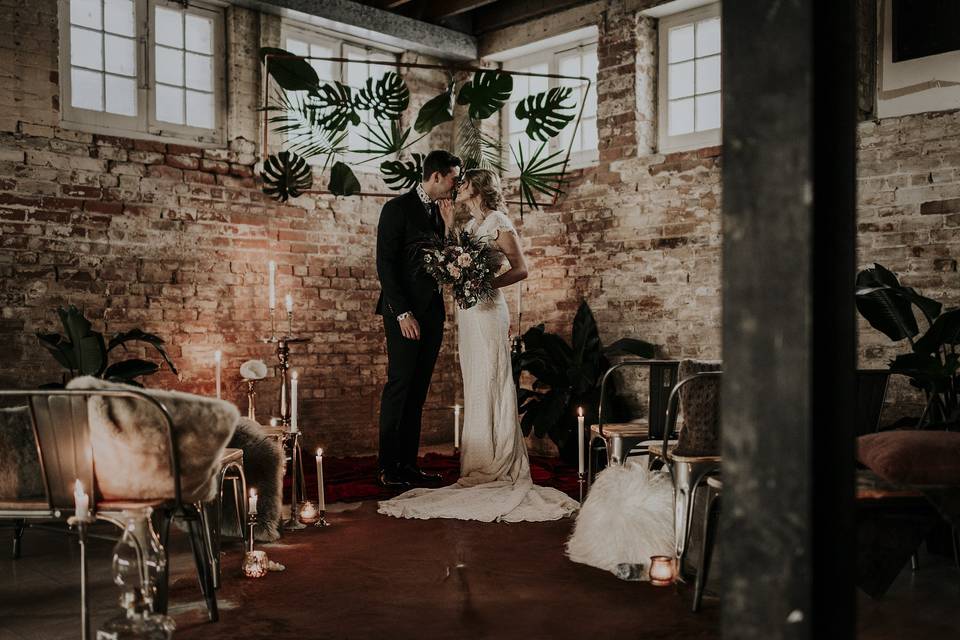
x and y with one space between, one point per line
788 319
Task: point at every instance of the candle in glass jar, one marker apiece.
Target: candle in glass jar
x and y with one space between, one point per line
252 503
293 401
218 357
661 570
273 288
321 500
580 436
456 426
81 501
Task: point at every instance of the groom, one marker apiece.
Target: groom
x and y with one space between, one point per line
412 308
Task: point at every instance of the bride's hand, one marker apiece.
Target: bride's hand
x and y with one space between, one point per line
446 212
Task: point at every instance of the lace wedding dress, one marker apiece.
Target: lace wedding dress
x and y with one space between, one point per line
495 482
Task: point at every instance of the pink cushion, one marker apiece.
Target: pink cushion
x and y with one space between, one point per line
912 456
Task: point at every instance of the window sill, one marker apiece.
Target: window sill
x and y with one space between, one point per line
140 135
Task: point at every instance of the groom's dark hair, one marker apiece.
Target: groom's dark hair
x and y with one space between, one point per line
439 160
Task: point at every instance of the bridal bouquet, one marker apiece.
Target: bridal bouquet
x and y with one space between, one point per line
465 263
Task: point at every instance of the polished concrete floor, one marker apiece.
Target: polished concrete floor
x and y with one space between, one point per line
370 576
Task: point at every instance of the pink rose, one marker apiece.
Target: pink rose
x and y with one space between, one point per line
454 271
464 260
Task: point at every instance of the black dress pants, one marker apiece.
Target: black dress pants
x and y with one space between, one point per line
409 370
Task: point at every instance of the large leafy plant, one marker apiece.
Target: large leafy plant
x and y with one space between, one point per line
314 119
567 377
933 364
85 352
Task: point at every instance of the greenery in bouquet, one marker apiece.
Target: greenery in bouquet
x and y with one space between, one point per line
466 264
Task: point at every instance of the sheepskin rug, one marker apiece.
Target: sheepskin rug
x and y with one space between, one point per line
263 468
626 518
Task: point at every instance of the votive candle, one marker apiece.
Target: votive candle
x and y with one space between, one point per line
661 570
218 357
320 498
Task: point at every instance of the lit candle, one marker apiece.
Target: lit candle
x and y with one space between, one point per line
218 356
288 299
293 401
661 571
320 500
81 501
273 288
580 439
456 426
252 503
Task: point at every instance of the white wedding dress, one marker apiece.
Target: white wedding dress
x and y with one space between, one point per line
495 482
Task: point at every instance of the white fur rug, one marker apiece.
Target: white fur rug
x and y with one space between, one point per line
626 518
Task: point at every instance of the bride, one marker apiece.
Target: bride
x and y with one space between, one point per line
495 482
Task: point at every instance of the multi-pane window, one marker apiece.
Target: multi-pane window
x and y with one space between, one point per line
575 61
353 73
139 67
690 104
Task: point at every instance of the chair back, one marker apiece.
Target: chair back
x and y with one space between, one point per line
61 428
870 395
697 398
663 376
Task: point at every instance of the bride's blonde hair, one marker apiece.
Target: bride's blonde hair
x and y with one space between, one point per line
486 184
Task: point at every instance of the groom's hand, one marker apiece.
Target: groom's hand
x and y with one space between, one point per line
410 328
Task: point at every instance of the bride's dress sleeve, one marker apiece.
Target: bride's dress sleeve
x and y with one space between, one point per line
500 222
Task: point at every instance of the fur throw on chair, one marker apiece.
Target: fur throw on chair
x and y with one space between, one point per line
626 518
130 448
19 466
263 461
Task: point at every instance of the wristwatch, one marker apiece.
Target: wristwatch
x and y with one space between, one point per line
403 316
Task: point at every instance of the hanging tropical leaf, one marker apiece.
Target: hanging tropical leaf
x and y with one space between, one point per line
384 142
334 102
292 74
435 111
402 175
539 174
388 98
298 122
342 180
486 93
543 113
478 149
286 175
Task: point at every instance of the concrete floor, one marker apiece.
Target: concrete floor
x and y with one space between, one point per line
370 576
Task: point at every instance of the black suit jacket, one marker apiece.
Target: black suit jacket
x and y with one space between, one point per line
403 229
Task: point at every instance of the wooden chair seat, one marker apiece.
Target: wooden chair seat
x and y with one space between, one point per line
24 505
656 449
129 505
623 429
231 455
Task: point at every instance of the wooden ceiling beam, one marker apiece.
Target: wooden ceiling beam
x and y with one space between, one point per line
440 9
504 14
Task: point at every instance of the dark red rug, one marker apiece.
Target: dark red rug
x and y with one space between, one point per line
354 478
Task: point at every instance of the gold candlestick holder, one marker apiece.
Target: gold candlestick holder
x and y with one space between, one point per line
251 399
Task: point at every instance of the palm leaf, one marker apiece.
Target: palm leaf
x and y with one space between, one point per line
486 93
343 182
384 142
129 369
336 106
293 74
539 174
542 113
299 121
137 335
435 111
286 175
478 150
387 98
402 175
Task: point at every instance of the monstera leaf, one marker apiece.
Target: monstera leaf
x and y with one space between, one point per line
292 74
543 113
402 175
478 149
486 93
539 174
343 182
336 106
286 175
299 122
387 98
435 111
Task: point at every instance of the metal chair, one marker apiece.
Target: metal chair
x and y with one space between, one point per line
231 471
621 439
62 433
870 395
688 466
711 516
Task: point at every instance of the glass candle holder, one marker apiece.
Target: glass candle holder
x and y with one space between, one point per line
255 564
661 570
308 512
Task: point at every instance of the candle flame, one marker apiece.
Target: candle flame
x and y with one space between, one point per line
217 355
319 453
580 411
78 488
294 375
253 493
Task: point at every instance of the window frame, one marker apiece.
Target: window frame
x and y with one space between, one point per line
551 55
144 125
697 139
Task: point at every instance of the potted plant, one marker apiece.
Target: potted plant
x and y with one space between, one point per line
567 377
85 352
932 363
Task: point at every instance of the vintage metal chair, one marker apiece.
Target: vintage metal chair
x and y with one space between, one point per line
696 453
62 432
711 516
622 439
231 471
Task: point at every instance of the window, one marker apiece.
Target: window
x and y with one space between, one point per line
353 73
689 93
577 59
147 68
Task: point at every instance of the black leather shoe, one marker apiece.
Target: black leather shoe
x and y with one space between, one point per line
415 475
392 480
